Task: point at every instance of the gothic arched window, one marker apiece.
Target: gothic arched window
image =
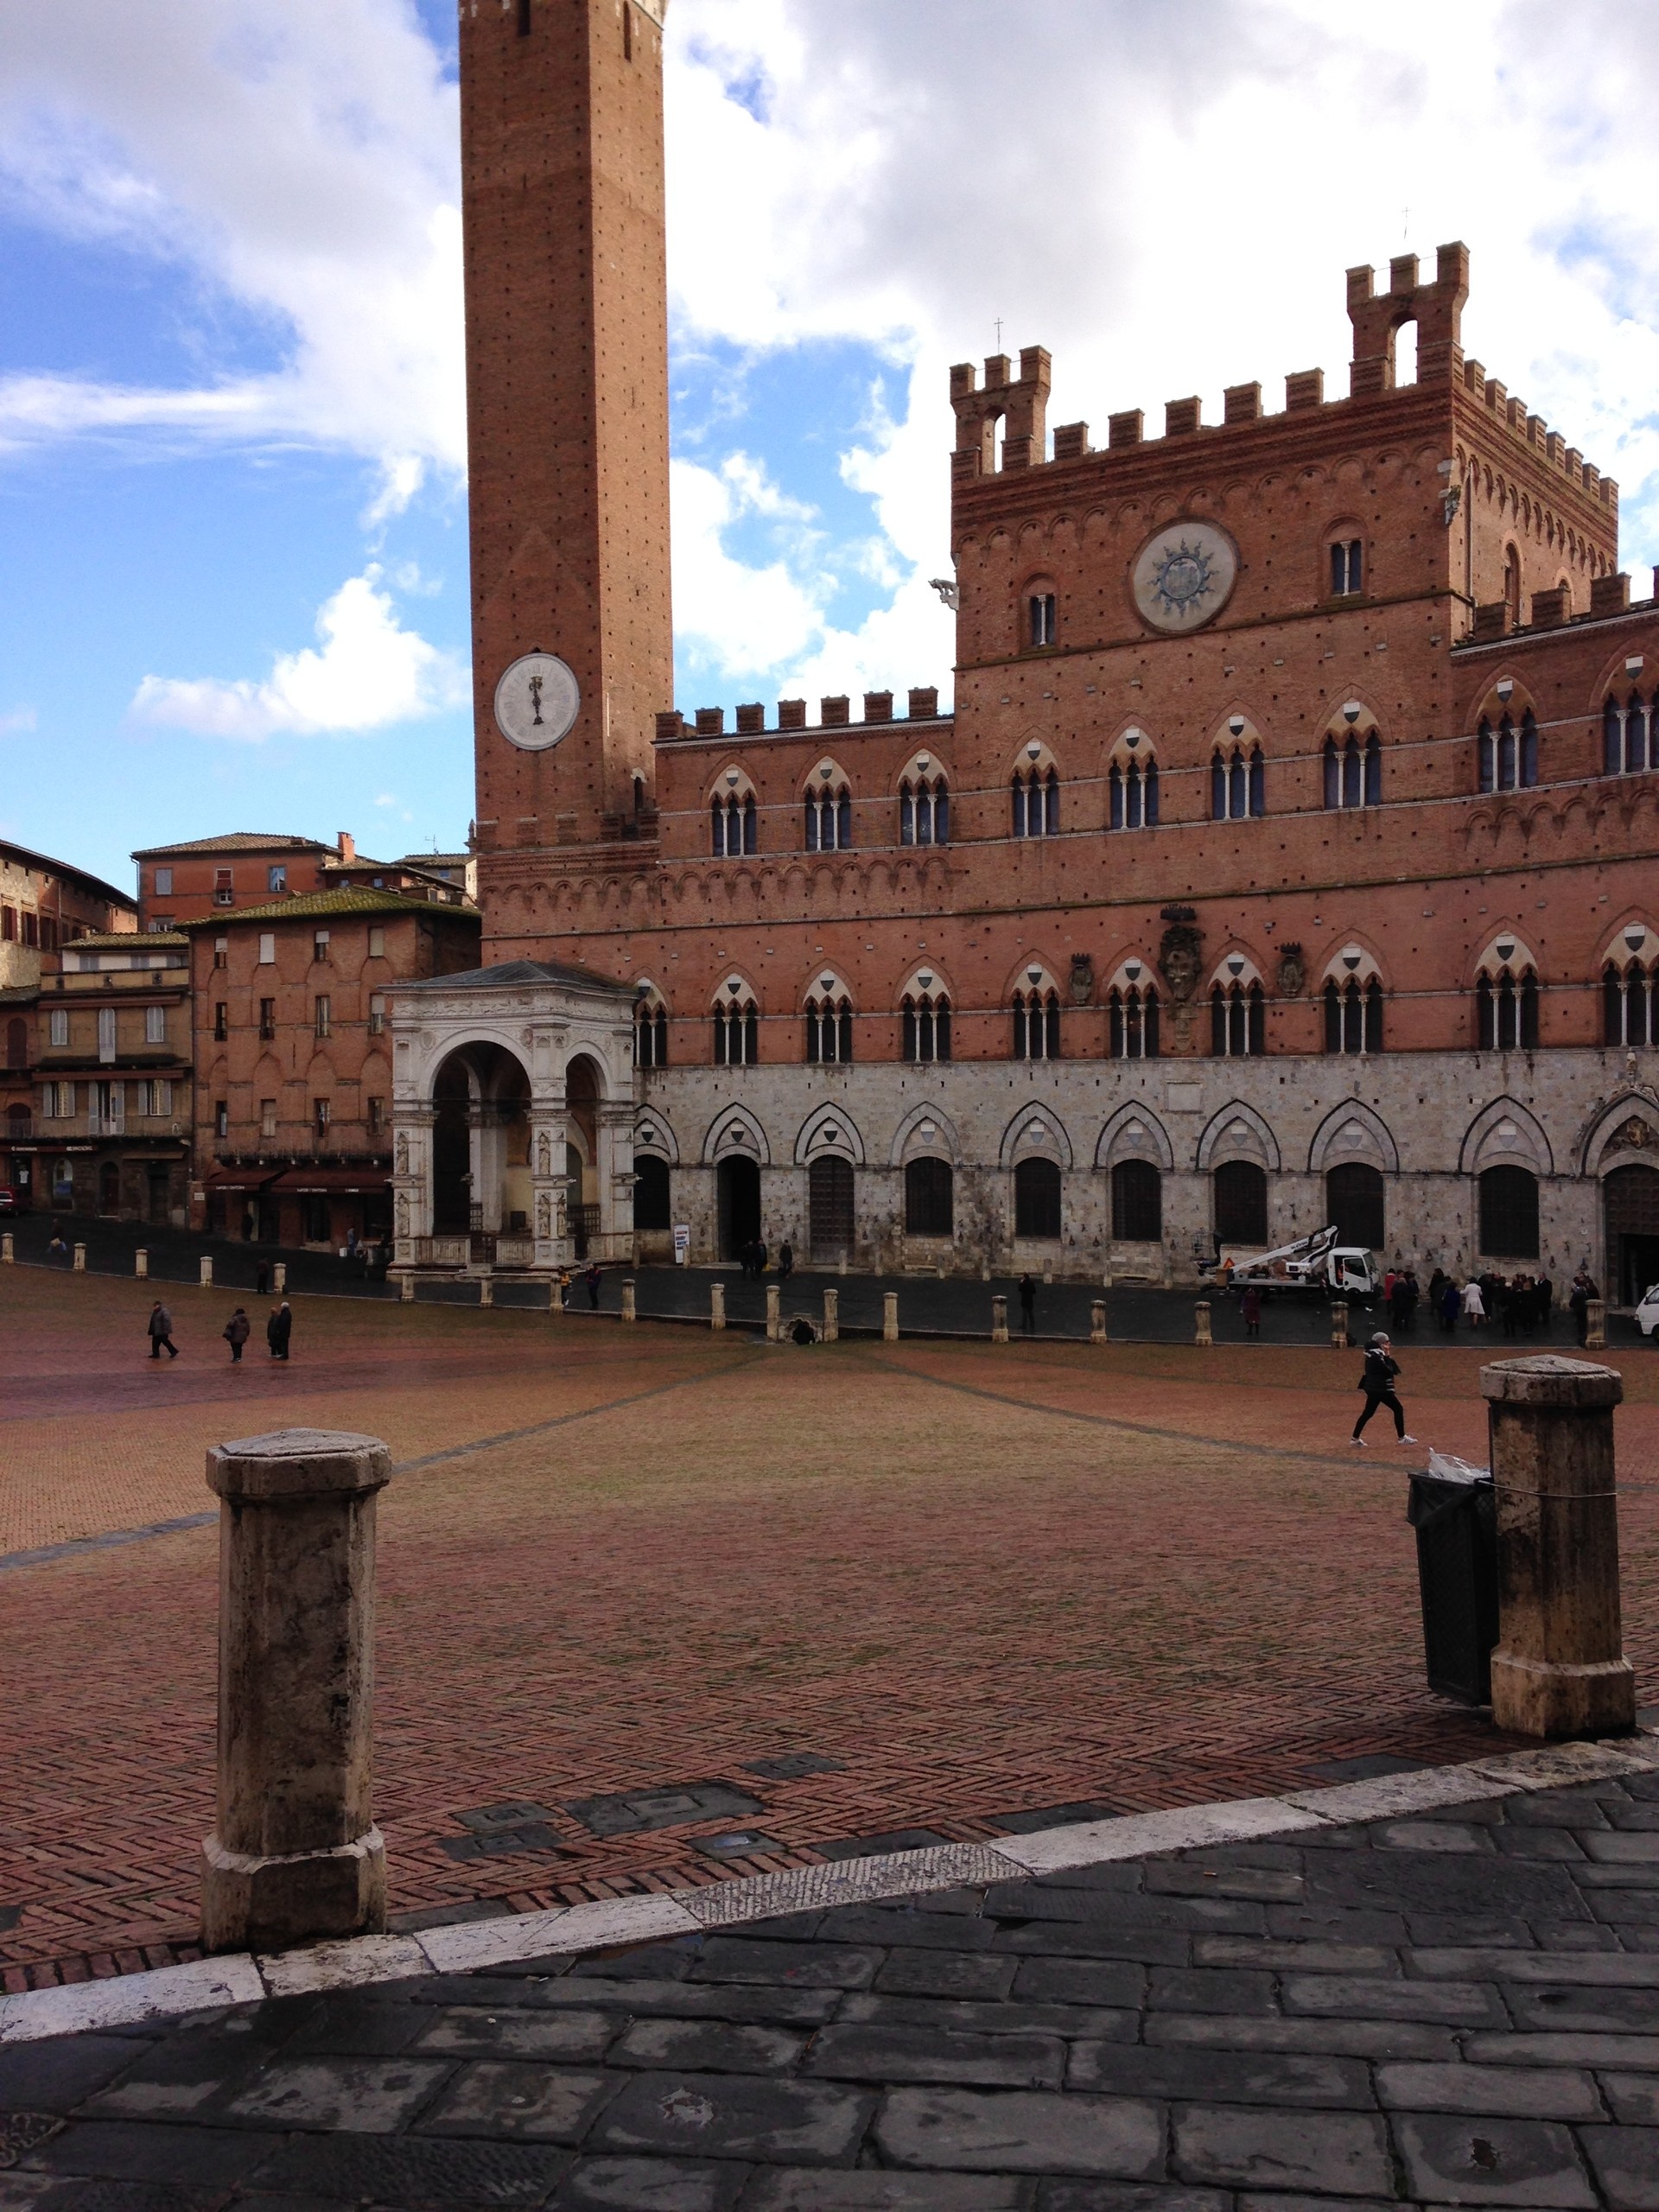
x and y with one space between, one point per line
828 1029
829 818
1509 754
1036 793
1133 1009
1237 1022
927 1023
1132 785
1037 1024
1353 1015
924 810
737 1032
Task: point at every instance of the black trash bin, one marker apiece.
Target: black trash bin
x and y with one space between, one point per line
1456 1521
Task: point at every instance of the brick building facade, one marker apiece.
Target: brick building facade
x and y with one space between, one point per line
293 1106
204 876
44 905
1287 854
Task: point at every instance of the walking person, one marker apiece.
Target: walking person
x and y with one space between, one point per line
238 1330
592 1281
565 1289
262 1280
278 1329
1451 1304
1251 1306
1474 1305
1027 1305
1377 1382
161 1330
785 1261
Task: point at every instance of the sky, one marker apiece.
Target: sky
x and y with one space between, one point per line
234 586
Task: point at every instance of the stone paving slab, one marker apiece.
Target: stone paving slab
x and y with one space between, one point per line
764 2070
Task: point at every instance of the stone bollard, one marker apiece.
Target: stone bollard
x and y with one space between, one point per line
1595 1325
841 1267
294 1854
832 1316
208 1273
774 1323
984 1271
716 1305
141 1264
486 1291
1559 1669
1340 1324
406 1290
1097 1322
890 1317
279 1278
79 1261
999 1320
8 1251
1201 1323
1048 1270
628 1312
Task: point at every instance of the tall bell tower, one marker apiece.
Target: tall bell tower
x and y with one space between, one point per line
567 388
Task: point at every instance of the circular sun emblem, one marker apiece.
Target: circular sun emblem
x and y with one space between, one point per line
1183 576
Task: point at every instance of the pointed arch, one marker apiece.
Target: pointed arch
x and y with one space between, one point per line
1035 1132
735 1129
1371 1141
1134 1132
1237 1132
1504 1132
829 1132
925 1129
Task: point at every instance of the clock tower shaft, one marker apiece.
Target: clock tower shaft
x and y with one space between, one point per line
567 391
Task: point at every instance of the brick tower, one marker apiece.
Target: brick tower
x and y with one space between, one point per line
567 376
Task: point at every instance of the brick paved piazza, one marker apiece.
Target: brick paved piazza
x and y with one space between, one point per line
944 1586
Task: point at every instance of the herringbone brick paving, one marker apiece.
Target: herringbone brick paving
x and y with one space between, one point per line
980 1582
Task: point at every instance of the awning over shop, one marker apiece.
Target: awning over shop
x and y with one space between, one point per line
238 1179
331 1182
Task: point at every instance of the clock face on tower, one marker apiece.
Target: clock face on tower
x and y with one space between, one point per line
1182 576
535 702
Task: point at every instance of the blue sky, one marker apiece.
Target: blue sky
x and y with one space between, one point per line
233 504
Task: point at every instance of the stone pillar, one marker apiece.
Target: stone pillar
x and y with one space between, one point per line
141 1264
411 1176
486 1291
548 1182
406 1290
841 1269
279 1277
984 1271
1595 1325
79 1263
716 1305
206 1265
890 1317
1340 1324
774 1297
1097 1322
8 1251
999 1320
1048 1270
1201 1323
831 1316
294 1854
1559 1667
628 1312
615 1120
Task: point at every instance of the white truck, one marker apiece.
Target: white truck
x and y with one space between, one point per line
1316 1263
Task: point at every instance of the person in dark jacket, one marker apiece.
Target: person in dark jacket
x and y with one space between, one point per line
161 1332
1579 1303
261 1279
1027 1303
785 1261
278 1329
1251 1306
238 1330
1377 1383
592 1281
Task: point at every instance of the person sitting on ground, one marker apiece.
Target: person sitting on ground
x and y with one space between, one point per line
238 1330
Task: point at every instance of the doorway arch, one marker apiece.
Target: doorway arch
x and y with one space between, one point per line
1630 1202
109 1188
738 1194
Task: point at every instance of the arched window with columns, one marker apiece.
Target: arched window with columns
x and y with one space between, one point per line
1132 800
1629 733
1238 1011
733 818
1239 774
1508 749
1133 1011
737 1026
828 809
1506 997
924 1019
1036 794
650 1029
1353 760
1036 1007
1630 988
1354 1000
924 803
828 1022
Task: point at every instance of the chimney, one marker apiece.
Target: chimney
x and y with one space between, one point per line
347 845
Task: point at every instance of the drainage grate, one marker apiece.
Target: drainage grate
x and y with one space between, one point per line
503 1831
631 1812
793 1765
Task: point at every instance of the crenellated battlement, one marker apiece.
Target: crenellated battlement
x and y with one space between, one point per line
1019 402
834 712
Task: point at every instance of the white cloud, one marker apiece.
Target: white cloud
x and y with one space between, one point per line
16 721
297 163
369 673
